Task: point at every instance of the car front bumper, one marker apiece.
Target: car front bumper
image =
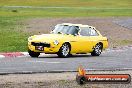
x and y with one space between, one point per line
48 48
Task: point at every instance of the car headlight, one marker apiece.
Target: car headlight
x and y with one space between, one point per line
56 42
30 38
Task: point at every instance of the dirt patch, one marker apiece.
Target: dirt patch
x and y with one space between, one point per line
117 35
55 80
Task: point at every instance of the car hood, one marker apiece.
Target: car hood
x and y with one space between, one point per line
50 37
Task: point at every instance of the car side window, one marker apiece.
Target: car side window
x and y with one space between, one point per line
73 30
85 31
93 32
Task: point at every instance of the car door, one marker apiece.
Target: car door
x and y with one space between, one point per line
78 44
85 39
76 41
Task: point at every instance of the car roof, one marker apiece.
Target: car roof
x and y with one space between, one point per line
80 25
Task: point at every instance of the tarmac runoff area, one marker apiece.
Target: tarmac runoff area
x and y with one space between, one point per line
127 23
25 54
109 60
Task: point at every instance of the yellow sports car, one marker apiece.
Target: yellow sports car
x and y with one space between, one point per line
67 39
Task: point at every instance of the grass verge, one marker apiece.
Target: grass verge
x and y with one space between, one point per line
69 3
65 12
11 36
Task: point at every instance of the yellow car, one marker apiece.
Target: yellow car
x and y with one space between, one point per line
67 39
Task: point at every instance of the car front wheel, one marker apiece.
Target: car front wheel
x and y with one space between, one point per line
97 50
64 50
33 54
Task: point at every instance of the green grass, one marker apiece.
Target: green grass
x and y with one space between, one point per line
71 3
63 12
11 35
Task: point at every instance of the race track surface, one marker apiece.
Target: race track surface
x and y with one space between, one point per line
119 59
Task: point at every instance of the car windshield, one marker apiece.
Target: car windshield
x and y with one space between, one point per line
66 29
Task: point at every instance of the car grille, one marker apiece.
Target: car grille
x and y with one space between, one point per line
40 44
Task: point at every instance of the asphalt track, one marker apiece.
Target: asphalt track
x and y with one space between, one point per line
118 59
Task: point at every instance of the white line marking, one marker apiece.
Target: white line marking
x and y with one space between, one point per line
47 62
41 54
25 53
2 56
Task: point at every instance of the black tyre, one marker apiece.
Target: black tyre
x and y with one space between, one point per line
33 54
97 50
64 50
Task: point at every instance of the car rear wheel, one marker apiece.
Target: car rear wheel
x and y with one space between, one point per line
97 50
33 54
64 50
